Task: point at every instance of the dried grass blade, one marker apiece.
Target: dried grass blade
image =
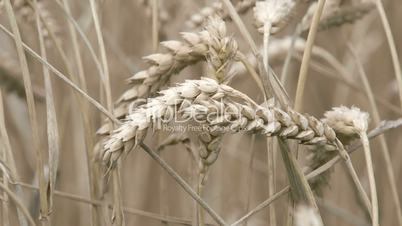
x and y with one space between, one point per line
52 127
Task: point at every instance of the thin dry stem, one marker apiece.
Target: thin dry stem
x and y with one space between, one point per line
394 52
52 127
370 172
301 84
128 210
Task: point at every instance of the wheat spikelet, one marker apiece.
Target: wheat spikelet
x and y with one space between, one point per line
226 109
222 49
211 41
348 123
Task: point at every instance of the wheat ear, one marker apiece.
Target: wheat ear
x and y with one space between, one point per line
352 123
179 55
346 14
198 99
270 17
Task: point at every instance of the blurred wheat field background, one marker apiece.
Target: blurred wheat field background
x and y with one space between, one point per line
292 111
